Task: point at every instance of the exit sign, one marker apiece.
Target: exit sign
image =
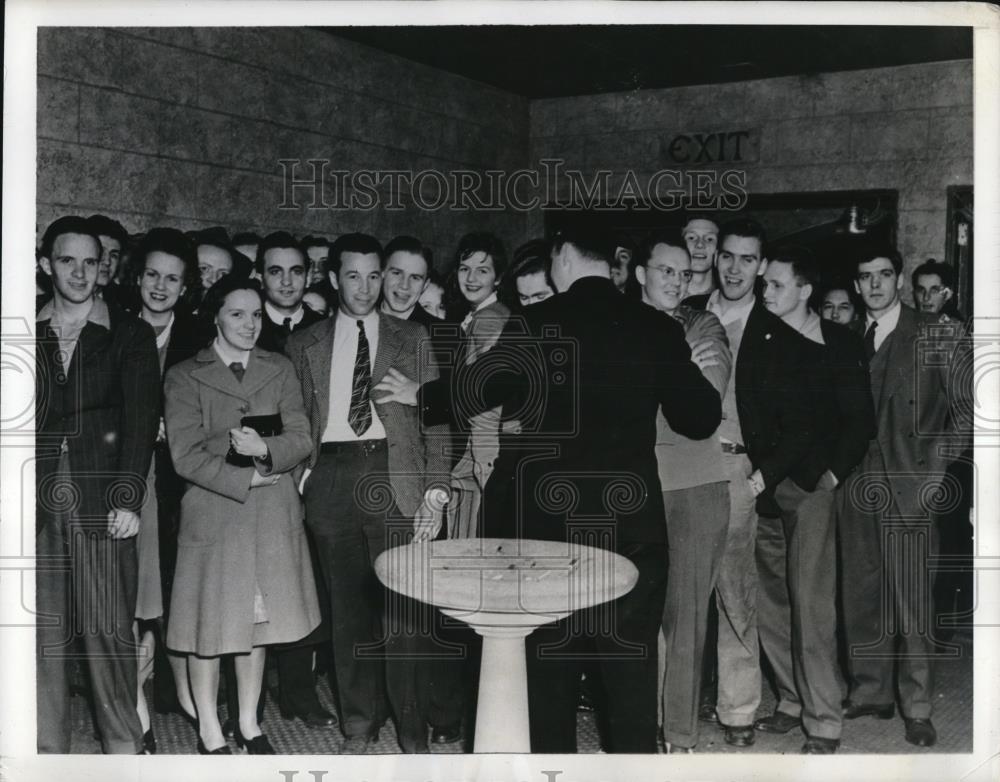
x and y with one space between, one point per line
721 146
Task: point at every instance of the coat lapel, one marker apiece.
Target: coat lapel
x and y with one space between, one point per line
389 344
320 356
899 357
212 372
261 369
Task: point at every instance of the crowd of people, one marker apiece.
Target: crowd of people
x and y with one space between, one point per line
230 430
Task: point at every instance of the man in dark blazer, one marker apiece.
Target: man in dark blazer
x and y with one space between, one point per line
97 410
887 529
376 479
764 435
283 267
606 364
796 551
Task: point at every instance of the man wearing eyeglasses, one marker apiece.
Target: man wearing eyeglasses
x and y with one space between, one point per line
695 495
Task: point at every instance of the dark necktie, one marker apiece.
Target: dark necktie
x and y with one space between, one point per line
288 325
238 370
870 340
360 414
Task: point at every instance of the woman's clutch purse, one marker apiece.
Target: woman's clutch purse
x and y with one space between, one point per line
265 426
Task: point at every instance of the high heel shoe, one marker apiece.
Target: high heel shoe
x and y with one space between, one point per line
223 750
258 745
149 742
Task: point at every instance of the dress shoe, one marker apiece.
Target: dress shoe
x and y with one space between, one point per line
316 717
223 750
779 722
258 745
149 742
920 732
740 735
817 745
674 749
447 734
707 713
884 711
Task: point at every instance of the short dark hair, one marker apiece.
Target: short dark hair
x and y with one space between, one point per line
671 237
880 251
934 266
747 228
246 237
353 243
485 242
592 243
169 241
408 244
839 285
282 240
215 296
102 225
531 257
69 224
803 263
314 241
217 237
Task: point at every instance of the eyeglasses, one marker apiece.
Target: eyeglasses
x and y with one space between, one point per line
670 273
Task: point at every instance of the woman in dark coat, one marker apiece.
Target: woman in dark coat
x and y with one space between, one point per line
165 267
243 578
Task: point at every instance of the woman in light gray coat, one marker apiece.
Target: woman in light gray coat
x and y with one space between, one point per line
243 577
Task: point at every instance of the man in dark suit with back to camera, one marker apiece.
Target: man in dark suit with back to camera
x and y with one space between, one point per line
97 411
608 364
796 551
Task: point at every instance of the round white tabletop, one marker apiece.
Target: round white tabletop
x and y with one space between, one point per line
504 589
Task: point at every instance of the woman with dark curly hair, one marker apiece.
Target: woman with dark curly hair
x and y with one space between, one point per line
165 269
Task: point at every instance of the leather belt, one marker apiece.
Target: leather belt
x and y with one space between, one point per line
733 448
353 446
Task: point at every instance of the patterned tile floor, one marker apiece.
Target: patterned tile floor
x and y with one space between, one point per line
952 717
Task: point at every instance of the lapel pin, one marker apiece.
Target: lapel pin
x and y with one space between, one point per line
767 336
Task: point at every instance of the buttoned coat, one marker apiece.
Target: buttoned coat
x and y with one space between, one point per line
235 541
416 455
914 404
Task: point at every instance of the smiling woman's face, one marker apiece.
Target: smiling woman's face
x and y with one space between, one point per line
162 282
239 319
477 278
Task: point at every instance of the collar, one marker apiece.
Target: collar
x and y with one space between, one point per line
164 336
491 299
99 313
230 355
278 318
370 320
888 320
393 314
739 312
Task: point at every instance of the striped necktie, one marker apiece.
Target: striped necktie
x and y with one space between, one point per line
359 417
